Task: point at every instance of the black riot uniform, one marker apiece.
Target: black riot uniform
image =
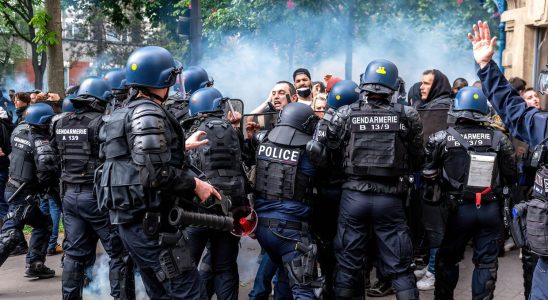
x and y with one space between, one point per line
475 162
221 162
178 105
76 137
382 145
283 196
33 170
142 175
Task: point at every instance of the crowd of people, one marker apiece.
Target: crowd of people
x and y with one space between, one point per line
333 178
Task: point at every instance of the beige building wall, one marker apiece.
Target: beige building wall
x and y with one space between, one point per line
526 50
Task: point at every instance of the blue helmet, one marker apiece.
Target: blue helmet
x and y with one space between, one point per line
342 93
67 104
95 87
38 114
206 99
380 77
470 103
116 78
195 78
153 67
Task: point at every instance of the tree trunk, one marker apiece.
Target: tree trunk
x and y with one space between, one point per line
38 61
55 67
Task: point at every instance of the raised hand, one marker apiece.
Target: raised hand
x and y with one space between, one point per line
482 43
194 141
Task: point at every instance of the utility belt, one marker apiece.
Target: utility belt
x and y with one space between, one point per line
305 198
276 223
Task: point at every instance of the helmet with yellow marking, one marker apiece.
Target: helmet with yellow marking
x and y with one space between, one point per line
342 93
153 67
470 103
380 77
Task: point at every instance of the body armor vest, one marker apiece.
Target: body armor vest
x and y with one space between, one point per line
120 187
537 214
378 142
472 170
278 173
78 143
178 107
22 167
221 158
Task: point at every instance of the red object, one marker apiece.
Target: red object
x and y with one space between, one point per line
247 226
290 4
460 2
331 82
478 196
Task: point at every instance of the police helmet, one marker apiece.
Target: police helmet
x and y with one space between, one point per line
380 77
67 104
95 87
153 67
543 81
38 114
342 93
195 78
296 124
470 103
204 100
116 78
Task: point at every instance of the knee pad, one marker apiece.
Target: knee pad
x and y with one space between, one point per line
8 241
489 287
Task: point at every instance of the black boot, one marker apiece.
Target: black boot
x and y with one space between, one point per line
39 270
381 288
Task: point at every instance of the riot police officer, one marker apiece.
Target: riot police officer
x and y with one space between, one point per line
221 162
528 124
117 80
143 173
75 136
283 193
194 79
382 144
474 163
328 184
33 170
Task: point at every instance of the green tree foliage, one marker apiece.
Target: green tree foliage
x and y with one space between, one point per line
308 27
44 37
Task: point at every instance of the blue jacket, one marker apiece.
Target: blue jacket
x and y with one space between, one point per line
525 123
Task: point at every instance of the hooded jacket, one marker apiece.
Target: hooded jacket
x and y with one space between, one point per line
440 93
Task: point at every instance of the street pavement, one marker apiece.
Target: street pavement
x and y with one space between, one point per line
13 285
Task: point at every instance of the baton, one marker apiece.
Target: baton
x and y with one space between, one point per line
21 187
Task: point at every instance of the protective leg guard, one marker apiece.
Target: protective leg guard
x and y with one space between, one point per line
9 239
529 261
488 285
72 278
127 280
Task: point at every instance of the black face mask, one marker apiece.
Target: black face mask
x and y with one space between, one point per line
19 111
304 92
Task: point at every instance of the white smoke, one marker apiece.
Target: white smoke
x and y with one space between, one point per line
18 82
99 288
248 69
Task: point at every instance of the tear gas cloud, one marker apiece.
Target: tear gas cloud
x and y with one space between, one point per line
248 68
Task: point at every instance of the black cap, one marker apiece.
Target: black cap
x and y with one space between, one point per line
301 71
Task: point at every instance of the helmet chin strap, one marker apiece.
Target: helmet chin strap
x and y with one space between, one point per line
152 95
